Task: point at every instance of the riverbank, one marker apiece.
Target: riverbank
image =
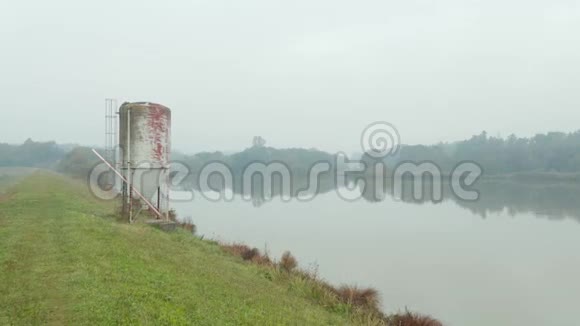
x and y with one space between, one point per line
536 177
64 259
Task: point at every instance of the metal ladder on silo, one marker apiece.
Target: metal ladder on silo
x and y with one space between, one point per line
111 140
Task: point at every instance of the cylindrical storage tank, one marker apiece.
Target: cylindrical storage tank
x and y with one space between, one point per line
145 145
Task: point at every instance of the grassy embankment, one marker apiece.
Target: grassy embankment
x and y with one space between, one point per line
64 259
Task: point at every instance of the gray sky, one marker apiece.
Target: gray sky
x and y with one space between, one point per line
299 73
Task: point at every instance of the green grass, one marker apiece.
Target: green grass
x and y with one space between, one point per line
65 260
11 175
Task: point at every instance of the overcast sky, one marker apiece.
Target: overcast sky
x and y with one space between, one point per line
298 73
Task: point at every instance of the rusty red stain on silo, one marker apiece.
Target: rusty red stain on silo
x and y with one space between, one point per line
158 128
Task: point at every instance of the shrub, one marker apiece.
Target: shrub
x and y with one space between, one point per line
367 297
262 260
235 249
288 262
247 253
250 254
413 319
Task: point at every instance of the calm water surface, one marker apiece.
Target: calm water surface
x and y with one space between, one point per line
511 258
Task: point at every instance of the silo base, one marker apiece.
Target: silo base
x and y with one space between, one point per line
167 226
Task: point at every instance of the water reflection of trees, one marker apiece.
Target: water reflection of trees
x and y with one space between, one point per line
555 201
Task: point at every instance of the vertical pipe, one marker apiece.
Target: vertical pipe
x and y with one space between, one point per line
131 201
116 145
129 174
158 198
166 193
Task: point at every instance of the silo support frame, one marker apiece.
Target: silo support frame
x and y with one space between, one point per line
131 188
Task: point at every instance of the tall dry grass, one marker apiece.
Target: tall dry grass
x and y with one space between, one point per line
247 253
187 225
288 262
363 297
413 319
363 303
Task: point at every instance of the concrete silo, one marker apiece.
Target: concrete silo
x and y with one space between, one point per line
145 145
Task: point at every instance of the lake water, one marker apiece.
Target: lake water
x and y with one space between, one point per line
510 258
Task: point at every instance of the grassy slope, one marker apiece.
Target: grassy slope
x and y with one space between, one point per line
63 261
11 175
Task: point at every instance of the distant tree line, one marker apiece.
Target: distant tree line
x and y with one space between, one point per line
551 152
298 160
31 154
